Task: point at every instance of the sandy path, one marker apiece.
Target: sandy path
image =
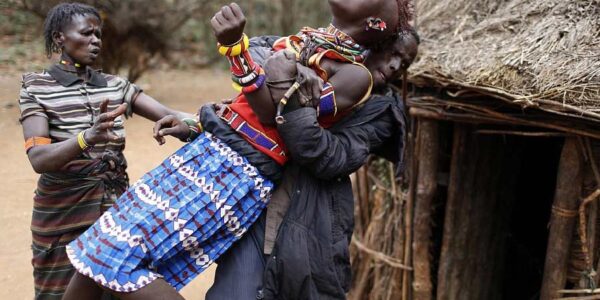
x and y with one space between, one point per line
183 90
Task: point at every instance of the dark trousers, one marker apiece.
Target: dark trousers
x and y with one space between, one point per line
240 270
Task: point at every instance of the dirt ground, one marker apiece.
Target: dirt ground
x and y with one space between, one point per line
183 90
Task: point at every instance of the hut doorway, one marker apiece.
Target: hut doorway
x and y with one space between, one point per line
499 198
527 235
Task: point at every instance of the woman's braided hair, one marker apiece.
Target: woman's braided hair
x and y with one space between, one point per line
60 16
406 12
386 43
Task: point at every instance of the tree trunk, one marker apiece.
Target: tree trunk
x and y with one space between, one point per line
425 192
562 221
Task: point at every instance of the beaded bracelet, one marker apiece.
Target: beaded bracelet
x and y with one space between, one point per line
239 83
83 144
195 128
242 64
256 84
246 79
236 48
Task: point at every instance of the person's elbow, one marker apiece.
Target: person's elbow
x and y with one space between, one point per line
38 163
39 168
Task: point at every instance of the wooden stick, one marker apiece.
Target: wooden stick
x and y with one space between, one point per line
425 192
568 190
391 261
585 248
501 119
476 108
579 291
480 109
395 285
592 297
447 266
522 133
363 193
408 219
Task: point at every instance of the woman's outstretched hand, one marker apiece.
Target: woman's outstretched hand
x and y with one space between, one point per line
228 24
170 125
101 131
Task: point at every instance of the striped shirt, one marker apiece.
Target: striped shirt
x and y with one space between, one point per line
71 104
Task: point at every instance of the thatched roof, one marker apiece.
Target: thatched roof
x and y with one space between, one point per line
536 53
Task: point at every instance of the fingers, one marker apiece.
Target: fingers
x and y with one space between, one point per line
317 88
155 131
168 131
121 109
311 87
237 10
103 106
227 13
110 116
106 125
160 139
216 26
115 138
158 125
234 12
220 18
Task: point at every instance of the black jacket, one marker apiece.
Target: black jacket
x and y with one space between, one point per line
310 259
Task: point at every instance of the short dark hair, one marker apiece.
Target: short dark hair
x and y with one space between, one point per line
60 16
388 42
415 34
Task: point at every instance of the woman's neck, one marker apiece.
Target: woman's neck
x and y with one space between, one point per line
355 31
80 69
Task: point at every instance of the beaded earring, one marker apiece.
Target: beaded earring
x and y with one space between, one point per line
375 24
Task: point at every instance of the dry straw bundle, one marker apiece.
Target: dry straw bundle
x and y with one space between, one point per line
543 53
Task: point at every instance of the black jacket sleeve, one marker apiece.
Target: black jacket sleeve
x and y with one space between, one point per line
261 48
339 151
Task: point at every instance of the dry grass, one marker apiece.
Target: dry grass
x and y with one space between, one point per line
536 53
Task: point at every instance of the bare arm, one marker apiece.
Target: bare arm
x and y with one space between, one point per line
149 108
350 82
52 157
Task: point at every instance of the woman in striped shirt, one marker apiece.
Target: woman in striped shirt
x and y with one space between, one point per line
72 118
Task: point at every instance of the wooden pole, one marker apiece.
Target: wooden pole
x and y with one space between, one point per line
408 212
425 192
562 221
449 267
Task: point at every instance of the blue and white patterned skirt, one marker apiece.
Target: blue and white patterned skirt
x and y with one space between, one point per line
175 221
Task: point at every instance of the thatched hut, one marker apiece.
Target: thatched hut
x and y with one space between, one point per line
501 202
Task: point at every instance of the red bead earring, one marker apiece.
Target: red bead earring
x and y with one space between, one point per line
376 24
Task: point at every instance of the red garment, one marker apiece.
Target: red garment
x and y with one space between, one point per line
243 109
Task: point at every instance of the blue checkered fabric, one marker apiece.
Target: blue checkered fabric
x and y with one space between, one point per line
175 221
